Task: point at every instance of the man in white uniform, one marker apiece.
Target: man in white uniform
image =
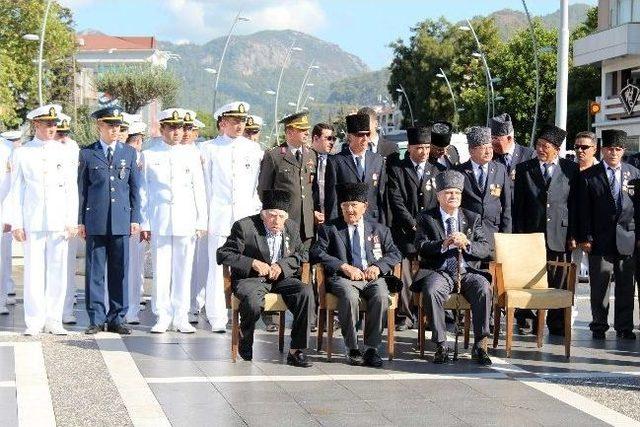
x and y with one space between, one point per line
5 181
231 165
174 213
43 203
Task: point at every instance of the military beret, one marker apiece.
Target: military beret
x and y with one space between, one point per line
46 112
553 134
501 125
418 135
298 121
276 199
449 179
357 123
614 138
352 192
478 135
111 114
441 133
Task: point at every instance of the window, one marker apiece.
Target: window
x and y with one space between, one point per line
624 11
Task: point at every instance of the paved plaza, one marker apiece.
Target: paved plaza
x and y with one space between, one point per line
189 380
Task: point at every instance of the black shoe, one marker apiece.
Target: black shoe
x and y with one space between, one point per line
525 327
119 329
245 348
372 358
94 329
298 359
480 355
626 335
442 355
599 335
355 357
313 328
246 354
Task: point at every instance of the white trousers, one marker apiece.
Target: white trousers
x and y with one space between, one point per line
215 303
172 260
199 274
74 243
136 275
7 284
45 278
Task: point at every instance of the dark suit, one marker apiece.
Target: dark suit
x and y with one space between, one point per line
451 157
493 204
333 249
318 193
520 154
248 242
551 210
280 170
435 284
341 168
109 204
408 196
612 234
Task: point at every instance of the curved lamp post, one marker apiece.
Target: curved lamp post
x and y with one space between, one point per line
480 54
401 90
292 49
304 82
35 37
537 64
442 75
213 111
224 51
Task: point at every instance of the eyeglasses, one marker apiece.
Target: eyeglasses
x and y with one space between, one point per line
583 147
330 138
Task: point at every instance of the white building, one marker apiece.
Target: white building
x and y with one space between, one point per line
616 47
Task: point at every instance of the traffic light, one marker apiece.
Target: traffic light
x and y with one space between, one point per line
594 108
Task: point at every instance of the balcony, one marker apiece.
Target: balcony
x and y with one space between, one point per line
608 44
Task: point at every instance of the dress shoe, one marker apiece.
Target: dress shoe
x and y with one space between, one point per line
11 294
119 329
313 328
524 327
479 353
55 329
272 327
194 318
245 350
133 321
218 330
69 320
372 358
599 335
298 359
160 327
626 335
355 357
4 309
441 355
32 332
185 328
94 329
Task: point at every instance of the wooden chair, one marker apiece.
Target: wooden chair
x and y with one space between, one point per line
272 303
520 281
328 305
455 302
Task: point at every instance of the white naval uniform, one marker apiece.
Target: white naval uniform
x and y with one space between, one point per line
43 200
136 272
200 258
5 181
231 169
174 207
6 281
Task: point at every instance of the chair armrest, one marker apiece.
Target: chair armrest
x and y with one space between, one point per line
495 269
320 285
571 269
305 273
397 270
226 274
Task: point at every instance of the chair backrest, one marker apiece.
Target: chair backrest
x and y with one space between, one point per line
523 259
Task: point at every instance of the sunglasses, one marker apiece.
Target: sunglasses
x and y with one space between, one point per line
330 138
583 147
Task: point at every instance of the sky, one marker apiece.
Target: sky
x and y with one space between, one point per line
361 27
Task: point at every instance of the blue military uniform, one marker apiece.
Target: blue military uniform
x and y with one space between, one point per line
108 183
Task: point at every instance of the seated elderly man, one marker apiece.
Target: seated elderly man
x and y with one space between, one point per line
265 254
356 253
443 234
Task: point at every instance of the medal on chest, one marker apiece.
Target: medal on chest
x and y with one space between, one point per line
122 172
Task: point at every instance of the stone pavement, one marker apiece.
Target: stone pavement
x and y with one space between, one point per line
189 380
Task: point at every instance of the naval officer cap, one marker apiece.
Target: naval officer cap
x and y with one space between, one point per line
614 138
129 119
137 128
449 179
64 123
171 116
46 112
418 135
501 125
189 117
352 192
299 121
358 124
441 133
111 114
552 134
276 199
11 135
197 124
232 109
478 135
254 123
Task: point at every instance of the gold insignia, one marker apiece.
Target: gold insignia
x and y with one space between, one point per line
241 108
175 115
116 112
495 190
52 112
64 124
187 117
250 121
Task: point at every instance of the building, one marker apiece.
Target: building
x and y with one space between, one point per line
616 48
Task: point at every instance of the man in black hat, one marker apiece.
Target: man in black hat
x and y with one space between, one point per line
545 201
355 163
411 190
505 149
265 254
445 235
377 144
487 186
443 155
356 253
607 218
108 184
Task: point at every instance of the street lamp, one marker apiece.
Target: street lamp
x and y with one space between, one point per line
31 37
308 98
537 65
292 49
305 82
212 71
480 54
442 75
401 90
35 37
270 92
224 51
292 104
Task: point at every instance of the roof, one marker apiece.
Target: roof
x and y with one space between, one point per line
105 42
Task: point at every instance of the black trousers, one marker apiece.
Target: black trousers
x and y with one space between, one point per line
297 296
436 287
406 311
601 269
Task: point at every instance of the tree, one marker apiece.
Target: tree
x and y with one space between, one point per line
210 131
136 86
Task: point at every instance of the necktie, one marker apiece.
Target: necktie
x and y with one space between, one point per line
506 160
613 186
360 167
481 179
419 171
451 262
322 164
547 174
356 253
109 155
298 156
